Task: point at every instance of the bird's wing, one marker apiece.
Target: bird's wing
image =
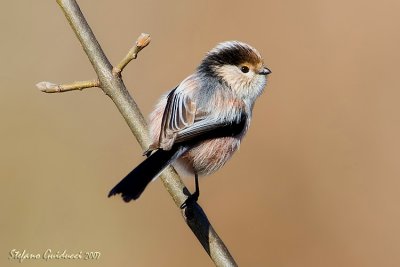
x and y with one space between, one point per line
179 113
211 128
183 121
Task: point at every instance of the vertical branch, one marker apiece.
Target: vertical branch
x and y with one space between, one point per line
115 88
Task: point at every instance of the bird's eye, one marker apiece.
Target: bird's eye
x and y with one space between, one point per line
244 69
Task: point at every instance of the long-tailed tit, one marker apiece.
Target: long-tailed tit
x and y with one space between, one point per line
198 126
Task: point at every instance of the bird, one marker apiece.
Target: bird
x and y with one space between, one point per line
197 126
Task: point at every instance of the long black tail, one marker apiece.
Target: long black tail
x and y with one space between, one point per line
133 185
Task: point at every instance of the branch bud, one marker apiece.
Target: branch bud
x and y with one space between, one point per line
47 87
143 40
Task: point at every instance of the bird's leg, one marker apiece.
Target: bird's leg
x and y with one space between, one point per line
195 196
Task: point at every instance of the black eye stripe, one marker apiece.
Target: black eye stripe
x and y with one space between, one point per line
244 69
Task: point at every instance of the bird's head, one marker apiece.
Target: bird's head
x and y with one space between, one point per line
237 65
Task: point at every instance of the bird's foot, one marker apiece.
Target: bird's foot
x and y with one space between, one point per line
190 200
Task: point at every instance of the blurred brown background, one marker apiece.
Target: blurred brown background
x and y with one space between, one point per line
315 183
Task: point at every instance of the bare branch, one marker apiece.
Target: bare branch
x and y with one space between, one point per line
142 41
48 87
114 87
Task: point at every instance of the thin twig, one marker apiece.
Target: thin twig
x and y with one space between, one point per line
114 87
142 41
48 87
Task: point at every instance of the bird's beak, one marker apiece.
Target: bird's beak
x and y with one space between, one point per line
264 71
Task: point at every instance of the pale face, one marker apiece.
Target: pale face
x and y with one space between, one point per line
245 79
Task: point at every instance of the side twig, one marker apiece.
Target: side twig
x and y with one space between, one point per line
142 41
111 83
48 87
